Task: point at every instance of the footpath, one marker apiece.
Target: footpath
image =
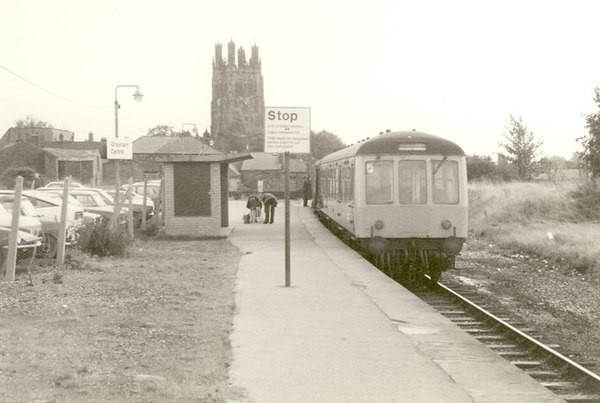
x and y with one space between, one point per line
345 332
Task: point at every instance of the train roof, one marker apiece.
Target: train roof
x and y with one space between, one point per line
403 142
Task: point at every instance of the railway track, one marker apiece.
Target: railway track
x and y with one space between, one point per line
561 372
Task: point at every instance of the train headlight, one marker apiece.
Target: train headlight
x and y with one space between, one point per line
446 224
379 224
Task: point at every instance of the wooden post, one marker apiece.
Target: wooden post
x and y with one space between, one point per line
144 206
130 212
62 232
11 259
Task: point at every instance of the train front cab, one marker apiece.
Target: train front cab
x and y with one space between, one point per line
415 204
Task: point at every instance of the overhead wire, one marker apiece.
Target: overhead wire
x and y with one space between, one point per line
48 91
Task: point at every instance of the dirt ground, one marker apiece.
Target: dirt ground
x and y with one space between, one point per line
154 326
151 327
559 302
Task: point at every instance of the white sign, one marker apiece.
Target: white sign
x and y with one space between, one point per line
287 129
119 149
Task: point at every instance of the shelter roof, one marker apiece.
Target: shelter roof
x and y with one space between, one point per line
172 145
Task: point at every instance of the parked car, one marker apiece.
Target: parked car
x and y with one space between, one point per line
137 203
87 217
25 242
152 190
94 202
28 225
60 184
50 222
31 225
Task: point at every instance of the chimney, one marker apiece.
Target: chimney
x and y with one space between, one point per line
90 136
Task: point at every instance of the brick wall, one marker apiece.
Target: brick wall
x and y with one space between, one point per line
192 226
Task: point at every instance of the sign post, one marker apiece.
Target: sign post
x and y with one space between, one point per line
287 130
118 149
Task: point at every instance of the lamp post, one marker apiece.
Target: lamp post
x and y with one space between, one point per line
137 96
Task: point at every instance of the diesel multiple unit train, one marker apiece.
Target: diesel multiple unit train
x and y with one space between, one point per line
399 198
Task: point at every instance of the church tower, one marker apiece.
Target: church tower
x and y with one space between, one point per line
238 102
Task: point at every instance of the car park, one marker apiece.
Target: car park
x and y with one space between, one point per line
31 225
50 223
152 190
60 184
137 203
94 202
87 217
25 242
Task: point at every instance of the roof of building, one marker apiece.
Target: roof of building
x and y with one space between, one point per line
271 162
172 145
180 149
72 155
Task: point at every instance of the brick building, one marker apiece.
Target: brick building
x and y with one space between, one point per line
195 201
268 168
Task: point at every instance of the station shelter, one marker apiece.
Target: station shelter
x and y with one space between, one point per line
195 186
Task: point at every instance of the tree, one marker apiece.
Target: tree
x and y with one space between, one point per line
323 143
590 157
32 121
480 167
9 176
521 148
551 165
161 130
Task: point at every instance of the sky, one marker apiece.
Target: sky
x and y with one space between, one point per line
457 69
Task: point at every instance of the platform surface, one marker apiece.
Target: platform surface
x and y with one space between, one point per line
345 332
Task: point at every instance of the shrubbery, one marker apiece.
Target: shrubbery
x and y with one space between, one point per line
103 240
587 199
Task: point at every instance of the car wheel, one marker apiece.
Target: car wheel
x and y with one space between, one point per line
48 248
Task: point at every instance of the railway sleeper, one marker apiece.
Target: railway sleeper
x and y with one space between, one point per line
527 364
581 398
502 346
542 374
560 385
508 354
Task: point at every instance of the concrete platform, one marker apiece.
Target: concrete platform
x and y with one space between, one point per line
345 332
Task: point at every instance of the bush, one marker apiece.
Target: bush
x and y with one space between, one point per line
587 199
103 240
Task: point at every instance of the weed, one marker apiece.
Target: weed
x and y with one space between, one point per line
103 240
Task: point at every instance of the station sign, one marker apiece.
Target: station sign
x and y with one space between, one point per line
287 129
119 149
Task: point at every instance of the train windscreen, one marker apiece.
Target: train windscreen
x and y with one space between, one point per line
445 182
379 182
412 178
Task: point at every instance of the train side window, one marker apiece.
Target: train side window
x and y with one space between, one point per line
379 189
412 182
445 182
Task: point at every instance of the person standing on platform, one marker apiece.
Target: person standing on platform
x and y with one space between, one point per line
269 202
254 205
307 190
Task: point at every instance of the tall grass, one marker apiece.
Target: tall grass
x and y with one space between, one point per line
554 222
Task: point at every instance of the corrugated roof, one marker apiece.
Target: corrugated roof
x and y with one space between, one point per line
171 145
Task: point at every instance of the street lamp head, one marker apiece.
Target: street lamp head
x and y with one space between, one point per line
138 95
